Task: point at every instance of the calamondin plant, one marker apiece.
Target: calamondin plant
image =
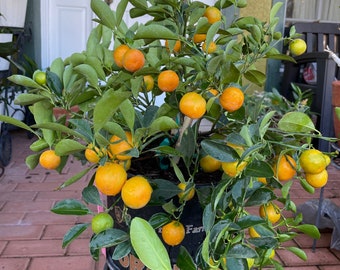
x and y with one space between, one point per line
196 169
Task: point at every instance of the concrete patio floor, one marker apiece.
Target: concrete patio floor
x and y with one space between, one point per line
31 236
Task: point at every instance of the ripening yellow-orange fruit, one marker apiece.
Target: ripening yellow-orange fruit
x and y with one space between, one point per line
133 60
213 14
168 81
118 54
192 105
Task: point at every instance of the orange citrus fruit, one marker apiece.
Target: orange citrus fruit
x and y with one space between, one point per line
192 105
317 180
136 192
213 14
49 160
285 168
93 154
209 164
270 211
185 196
118 146
118 54
232 99
168 81
312 161
176 48
148 82
110 178
133 60
173 233
211 49
297 46
101 222
198 38
253 233
233 168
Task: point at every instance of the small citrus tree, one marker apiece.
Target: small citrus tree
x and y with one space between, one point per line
244 148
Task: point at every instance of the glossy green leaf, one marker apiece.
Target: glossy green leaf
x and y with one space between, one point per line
121 250
114 128
70 207
274 10
15 122
75 178
241 251
310 230
148 246
60 128
39 145
104 13
96 64
28 99
77 58
89 72
306 186
167 150
258 168
68 146
249 220
255 76
163 123
260 196
57 67
24 81
263 242
158 220
108 238
128 111
54 83
298 252
107 106
120 11
184 260
32 161
163 190
83 129
155 31
265 123
73 233
91 195
43 113
296 122
285 189
208 218
219 150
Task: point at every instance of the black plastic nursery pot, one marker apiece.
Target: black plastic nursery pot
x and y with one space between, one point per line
191 219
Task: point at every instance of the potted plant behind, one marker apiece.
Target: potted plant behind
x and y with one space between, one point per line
13 13
209 144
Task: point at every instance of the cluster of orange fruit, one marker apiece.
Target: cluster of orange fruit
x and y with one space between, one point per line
111 179
191 104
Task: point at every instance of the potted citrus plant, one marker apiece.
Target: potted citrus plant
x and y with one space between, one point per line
182 175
